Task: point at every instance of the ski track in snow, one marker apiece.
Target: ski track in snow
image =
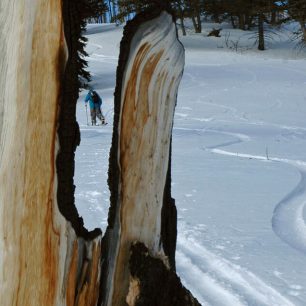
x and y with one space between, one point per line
287 221
222 282
99 57
215 280
225 283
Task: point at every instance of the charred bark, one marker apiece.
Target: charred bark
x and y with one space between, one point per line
68 128
147 273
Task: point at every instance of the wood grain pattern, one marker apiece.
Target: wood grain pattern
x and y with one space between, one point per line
148 96
40 255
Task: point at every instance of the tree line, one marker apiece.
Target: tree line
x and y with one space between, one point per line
242 14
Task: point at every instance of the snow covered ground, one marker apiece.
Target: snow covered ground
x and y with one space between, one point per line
239 165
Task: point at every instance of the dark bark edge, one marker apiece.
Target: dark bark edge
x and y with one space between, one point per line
128 34
168 210
113 172
68 128
158 285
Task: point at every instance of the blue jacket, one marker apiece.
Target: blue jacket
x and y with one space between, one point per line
91 102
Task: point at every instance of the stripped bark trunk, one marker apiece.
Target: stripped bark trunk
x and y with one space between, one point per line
47 257
44 258
149 71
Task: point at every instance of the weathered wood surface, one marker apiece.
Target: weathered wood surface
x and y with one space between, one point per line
150 68
41 259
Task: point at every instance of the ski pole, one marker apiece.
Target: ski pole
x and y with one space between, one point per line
86 114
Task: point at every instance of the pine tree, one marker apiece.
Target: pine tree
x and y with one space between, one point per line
297 10
179 9
85 9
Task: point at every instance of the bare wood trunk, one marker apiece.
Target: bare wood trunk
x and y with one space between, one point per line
150 68
41 257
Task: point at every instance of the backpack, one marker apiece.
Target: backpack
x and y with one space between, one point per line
95 97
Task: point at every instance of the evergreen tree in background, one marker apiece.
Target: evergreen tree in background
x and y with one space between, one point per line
297 11
131 7
195 9
242 14
180 10
85 9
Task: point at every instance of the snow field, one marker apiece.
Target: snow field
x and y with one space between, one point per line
239 143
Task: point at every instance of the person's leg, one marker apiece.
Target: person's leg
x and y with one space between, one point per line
100 115
93 116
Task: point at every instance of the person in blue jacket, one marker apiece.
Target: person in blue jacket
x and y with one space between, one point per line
95 103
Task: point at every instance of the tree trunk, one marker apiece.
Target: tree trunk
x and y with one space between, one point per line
181 17
44 258
261 36
47 257
195 17
303 29
248 21
183 25
150 68
274 16
216 17
233 22
241 19
199 24
110 11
